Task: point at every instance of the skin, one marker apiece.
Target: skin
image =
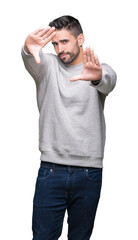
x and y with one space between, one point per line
68 48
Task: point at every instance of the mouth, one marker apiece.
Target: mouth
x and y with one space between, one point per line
63 55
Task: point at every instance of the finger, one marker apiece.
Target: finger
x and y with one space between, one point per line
88 54
37 58
97 60
48 39
43 31
49 32
38 30
84 56
92 56
76 78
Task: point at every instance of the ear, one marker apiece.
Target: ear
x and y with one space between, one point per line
80 40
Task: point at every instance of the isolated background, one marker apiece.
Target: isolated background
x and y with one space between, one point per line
110 27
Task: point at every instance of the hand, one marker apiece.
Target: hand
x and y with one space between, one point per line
92 69
37 40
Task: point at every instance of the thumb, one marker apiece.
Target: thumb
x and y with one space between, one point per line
37 58
76 78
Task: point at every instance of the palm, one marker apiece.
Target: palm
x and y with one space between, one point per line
34 45
92 70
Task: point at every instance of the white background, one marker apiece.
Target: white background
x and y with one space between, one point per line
110 27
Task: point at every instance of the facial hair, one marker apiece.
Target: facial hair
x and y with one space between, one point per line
72 55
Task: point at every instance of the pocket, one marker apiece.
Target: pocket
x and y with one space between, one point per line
94 174
44 173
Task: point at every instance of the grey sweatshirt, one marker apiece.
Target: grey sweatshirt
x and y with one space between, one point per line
71 122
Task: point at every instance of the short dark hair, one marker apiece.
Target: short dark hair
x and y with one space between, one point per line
68 22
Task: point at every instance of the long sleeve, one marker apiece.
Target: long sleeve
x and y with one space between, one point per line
108 80
37 71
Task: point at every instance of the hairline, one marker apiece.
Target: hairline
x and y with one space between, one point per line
70 31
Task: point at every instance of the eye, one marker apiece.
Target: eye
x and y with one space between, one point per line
54 44
65 41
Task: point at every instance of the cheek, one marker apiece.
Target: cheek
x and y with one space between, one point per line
56 49
69 48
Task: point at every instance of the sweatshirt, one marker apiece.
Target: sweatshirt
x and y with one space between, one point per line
72 128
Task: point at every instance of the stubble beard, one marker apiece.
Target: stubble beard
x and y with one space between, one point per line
72 56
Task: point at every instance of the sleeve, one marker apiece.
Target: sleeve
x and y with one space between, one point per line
37 71
108 80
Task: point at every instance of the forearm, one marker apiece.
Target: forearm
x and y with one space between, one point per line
35 70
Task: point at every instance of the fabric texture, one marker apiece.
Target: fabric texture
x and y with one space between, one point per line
60 188
72 127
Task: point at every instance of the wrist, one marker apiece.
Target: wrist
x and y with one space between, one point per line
96 82
26 49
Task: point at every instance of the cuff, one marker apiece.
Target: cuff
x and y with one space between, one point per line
96 82
27 54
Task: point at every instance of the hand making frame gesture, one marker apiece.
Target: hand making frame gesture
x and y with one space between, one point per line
92 69
37 40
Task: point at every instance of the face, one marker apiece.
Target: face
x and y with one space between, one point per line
67 47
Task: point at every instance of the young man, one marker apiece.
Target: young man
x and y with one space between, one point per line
71 90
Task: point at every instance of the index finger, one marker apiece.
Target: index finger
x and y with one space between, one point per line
47 32
49 38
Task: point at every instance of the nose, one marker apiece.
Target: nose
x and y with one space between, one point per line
60 48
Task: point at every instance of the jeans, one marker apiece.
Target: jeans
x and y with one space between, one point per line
60 188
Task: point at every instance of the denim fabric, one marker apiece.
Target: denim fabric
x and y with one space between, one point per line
60 188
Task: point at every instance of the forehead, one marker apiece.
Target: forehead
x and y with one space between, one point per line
62 34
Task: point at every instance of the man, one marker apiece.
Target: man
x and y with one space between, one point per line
71 91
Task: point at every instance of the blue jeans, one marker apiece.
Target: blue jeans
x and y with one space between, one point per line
61 187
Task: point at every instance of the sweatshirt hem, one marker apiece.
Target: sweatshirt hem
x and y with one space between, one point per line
72 160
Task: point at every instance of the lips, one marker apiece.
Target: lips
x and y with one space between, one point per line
63 55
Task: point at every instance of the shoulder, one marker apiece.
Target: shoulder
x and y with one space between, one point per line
51 57
106 66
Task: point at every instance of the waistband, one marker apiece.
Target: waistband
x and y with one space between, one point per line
62 167
72 160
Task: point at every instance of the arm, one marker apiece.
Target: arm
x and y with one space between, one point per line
35 70
108 80
36 40
33 57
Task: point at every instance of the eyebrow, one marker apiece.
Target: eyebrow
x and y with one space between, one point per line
63 40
